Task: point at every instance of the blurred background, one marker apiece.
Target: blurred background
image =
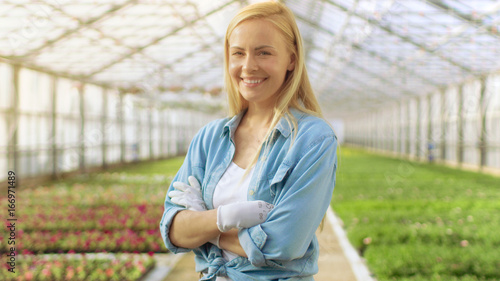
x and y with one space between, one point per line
98 98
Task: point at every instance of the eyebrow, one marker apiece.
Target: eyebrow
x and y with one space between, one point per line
256 49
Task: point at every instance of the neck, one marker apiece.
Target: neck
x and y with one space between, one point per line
258 116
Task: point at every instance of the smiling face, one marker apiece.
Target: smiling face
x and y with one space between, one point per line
258 61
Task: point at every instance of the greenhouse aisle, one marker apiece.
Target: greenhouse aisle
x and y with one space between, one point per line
333 263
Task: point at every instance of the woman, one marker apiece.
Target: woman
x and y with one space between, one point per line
267 174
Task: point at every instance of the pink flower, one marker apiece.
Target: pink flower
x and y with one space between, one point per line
367 240
28 275
69 273
142 208
46 272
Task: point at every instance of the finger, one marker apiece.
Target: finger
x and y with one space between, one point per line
180 186
194 182
175 200
175 193
171 194
195 186
179 201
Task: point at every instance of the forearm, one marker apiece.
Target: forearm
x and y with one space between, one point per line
191 229
229 241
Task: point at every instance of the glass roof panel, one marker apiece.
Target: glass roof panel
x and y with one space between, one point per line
357 51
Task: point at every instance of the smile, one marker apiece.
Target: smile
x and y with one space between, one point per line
252 82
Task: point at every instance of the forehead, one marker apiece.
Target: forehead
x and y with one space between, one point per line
255 31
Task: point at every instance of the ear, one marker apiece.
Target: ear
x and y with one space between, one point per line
291 66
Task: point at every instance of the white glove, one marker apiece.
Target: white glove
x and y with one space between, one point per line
242 214
188 196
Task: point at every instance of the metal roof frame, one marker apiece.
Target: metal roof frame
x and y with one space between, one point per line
360 53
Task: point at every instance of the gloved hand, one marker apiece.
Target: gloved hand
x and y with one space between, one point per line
188 196
242 214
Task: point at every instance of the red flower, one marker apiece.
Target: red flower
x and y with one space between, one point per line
142 208
109 272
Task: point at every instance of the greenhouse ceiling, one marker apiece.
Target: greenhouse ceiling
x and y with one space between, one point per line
361 54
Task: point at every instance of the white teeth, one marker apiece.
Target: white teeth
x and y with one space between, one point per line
252 81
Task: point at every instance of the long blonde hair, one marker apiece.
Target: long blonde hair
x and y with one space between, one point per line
296 91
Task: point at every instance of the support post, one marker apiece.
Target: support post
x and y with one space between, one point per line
53 133
430 140
483 140
104 120
150 129
121 125
13 125
460 127
81 93
443 118
400 128
408 130
418 141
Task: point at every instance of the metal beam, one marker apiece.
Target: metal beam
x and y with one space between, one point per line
336 39
104 121
405 38
442 120
483 140
371 53
157 40
13 124
53 133
81 95
51 72
376 76
69 32
87 24
467 18
117 41
168 66
460 125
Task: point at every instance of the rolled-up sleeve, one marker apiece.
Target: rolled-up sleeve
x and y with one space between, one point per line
300 206
193 165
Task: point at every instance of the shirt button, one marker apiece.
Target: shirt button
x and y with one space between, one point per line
251 192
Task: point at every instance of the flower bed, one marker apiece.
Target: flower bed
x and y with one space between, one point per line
78 267
108 212
105 217
86 241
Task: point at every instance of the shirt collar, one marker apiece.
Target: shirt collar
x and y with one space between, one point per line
232 124
284 127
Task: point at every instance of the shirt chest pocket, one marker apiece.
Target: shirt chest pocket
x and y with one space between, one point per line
278 179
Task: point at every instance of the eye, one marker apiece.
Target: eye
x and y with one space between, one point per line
264 53
237 53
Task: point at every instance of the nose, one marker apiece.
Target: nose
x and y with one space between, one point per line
250 64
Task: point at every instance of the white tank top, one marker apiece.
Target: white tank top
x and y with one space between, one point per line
231 189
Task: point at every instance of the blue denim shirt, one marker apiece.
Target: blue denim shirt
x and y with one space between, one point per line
297 176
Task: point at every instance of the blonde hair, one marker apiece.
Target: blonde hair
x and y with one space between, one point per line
296 91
